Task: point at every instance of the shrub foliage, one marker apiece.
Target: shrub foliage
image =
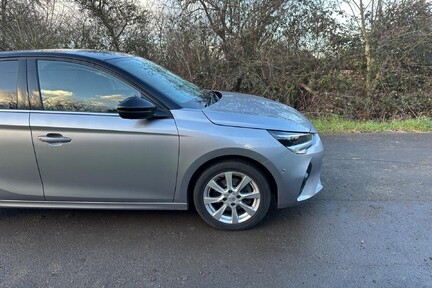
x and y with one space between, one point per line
361 59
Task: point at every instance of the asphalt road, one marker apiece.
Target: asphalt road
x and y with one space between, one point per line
371 226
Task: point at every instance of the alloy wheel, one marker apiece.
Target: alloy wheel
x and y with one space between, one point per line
231 197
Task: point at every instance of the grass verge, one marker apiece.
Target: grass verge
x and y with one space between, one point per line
336 124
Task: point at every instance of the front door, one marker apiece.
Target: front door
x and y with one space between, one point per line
86 152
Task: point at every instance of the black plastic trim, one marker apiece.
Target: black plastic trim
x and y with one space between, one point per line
23 103
35 97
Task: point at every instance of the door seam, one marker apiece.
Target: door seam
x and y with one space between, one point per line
31 130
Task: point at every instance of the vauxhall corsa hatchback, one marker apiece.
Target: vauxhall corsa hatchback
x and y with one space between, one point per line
104 130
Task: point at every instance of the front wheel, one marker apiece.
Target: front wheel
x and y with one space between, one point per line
232 195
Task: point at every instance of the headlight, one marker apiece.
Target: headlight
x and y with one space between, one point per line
296 142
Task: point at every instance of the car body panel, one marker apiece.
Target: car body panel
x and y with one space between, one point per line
295 181
202 141
249 111
108 158
19 175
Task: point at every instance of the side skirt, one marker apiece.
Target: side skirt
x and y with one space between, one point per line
93 205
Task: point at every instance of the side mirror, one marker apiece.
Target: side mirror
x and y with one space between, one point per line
136 108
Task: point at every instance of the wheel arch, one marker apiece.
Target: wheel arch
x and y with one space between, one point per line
198 170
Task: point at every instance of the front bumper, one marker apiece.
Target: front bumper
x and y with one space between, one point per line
297 176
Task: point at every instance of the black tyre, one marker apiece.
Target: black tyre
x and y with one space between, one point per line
232 195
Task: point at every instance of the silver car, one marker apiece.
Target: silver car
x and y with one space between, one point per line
87 129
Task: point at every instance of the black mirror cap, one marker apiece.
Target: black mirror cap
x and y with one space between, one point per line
136 108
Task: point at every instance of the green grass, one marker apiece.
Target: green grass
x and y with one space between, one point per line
335 124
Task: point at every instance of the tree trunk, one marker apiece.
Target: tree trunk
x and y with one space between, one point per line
368 57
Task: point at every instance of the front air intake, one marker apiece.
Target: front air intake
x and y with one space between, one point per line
306 177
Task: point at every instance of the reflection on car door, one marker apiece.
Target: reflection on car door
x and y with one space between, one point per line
88 154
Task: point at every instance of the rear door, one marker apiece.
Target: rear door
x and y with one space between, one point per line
85 151
19 175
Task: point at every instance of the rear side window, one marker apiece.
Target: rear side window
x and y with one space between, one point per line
74 87
8 84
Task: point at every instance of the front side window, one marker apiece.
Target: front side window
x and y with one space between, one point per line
74 87
8 84
178 89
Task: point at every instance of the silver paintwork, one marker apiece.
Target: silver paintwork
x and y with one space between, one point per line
19 175
116 163
201 142
107 159
230 205
243 110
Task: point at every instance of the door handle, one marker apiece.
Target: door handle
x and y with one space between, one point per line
54 138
